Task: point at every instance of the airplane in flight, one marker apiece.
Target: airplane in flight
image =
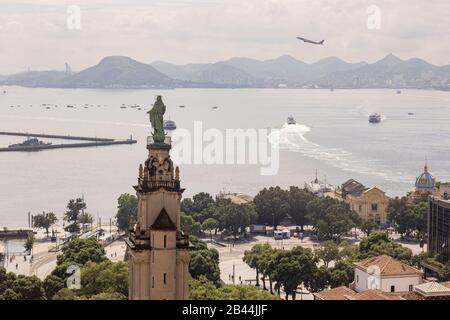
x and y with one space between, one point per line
310 41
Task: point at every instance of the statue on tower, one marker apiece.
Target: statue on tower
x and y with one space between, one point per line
156 115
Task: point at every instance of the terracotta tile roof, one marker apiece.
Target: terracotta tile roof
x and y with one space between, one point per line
375 295
339 293
388 266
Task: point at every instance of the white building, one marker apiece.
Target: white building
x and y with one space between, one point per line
386 274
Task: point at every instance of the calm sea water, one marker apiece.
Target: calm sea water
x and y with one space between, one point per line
333 136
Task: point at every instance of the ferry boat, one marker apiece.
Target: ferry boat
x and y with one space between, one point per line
290 120
319 188
169 125
30 143
375 118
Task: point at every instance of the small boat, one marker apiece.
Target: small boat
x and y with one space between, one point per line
290 120
69 106
139 108
399 91
215 108
180 106
375 118
123 107
47 108
169 125
410 113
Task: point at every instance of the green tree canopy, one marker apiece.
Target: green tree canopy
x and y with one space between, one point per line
331 218
44 221
272 205
298 201
80 251
72 215
127 207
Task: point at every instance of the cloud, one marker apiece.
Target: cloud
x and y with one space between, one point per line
183 31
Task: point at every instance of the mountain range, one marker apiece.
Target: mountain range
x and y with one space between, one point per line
284 71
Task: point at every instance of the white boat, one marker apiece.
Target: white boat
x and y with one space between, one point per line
319 188
169 125
290 120
375 118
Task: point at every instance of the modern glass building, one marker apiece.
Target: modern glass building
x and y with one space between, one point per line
439 227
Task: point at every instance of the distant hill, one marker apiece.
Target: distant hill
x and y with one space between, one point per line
220 73
285 71
390 72
120 71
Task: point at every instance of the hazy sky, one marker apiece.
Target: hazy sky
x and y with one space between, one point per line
35 34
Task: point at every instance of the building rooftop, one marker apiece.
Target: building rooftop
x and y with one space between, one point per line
339 293
425 180
353 188
388 266
375 295
432 289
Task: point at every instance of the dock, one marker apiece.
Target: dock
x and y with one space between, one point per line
90 142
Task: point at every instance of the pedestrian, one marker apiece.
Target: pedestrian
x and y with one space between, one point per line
17 266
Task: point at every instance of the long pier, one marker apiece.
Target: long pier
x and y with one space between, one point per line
91 142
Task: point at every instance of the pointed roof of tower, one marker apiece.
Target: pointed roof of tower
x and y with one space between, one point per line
163 222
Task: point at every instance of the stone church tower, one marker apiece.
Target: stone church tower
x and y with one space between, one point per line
158 251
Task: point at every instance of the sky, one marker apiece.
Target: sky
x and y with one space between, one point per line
45 34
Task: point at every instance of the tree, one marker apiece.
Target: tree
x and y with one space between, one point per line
85 218
235 218
367 226
294 267
72 215
253 258
205 262
44 221
187 222
329 251
202 289
104 277
80 251
198 203
378 243
298 201
127 207
52 284
108 296
29 243
331 218
28 288
210 224
408 217
65 294
272 205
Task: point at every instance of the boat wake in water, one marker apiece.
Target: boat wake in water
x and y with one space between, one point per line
292 138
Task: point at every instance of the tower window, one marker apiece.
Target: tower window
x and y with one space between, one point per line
153 282
165 241
392 288
165 278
